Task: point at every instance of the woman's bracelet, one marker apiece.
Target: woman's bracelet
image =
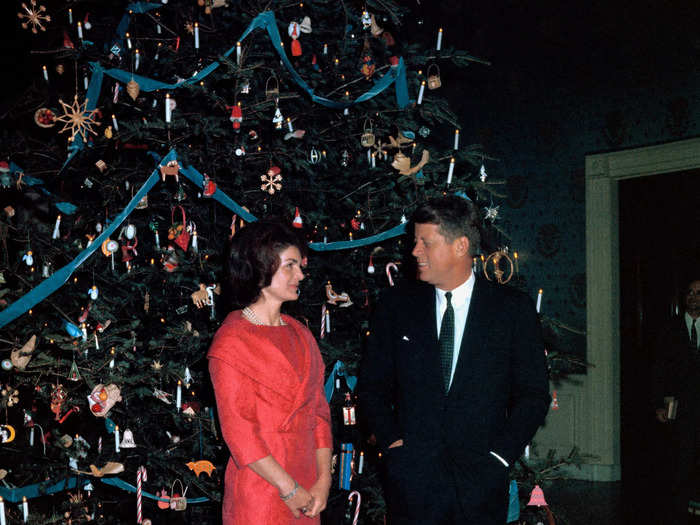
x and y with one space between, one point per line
285 497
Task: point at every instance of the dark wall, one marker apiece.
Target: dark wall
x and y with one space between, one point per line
557 91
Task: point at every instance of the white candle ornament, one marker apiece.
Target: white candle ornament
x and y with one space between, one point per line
361 464
439 40
57 228
420 93
178 396
196 35
456 139
137 60
374 160
158 29
289 125
168 109
70 16
128 40
238 53
539 300
325 49
85 82
2 511
115 125
25 509
450 171
80 30
46 73
116 439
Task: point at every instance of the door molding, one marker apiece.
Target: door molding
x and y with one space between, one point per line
592 419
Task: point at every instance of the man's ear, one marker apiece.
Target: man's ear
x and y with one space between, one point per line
462 245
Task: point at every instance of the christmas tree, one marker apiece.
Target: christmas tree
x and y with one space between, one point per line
150 134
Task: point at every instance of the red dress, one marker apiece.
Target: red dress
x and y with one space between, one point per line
268 382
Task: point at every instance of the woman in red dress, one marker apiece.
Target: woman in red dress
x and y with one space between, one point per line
267 374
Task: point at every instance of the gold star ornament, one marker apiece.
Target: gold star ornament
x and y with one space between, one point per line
77 119
33 16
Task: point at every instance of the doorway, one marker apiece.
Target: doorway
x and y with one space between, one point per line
659 218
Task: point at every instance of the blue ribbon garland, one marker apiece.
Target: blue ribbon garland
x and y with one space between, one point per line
396 74
513 502
265 20
63 207
45 488
53 283
338 369
121 484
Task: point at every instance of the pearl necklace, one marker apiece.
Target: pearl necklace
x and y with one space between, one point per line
250 316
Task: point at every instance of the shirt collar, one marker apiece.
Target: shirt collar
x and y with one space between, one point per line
459 294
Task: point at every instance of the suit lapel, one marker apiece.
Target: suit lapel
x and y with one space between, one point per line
475 331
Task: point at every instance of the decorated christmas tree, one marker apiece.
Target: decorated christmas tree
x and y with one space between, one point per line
150 134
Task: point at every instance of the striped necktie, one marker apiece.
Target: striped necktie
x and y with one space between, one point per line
447 341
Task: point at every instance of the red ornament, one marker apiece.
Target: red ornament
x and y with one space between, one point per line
236 116
208 186
67 42
297 222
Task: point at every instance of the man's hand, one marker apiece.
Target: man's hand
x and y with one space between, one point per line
661 415
397 443
319 493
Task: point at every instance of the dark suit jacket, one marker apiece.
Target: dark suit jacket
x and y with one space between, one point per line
498 398
677 370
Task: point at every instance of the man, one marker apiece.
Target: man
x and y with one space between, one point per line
677 381
454 381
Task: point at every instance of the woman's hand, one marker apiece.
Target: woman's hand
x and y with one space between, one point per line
319 492
301 501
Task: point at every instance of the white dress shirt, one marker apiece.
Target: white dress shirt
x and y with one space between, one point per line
461 298
689 324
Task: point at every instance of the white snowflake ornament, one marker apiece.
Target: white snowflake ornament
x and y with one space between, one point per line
491 213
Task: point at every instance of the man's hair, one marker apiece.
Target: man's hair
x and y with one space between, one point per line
455 216
254 257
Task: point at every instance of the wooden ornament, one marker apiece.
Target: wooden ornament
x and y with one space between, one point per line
434 80
20 357
367 138
133 89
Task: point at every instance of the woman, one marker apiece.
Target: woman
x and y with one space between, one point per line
267 374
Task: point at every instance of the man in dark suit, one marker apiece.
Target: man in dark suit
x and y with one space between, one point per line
454 381
677 386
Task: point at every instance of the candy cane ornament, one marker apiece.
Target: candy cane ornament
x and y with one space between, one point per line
323 321
389 267
141 476
357 507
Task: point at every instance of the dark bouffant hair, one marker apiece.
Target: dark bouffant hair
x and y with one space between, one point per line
254 257
456 216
